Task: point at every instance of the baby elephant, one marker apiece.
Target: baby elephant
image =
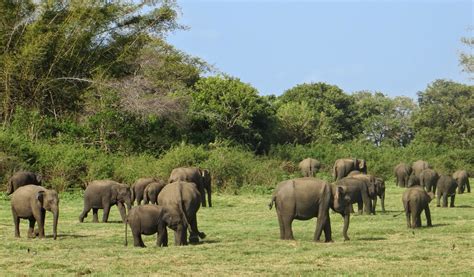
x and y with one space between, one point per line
32 202
415 200
149 219
150 195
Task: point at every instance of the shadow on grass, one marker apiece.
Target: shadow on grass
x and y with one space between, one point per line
206 241
463 206
69 236
372 239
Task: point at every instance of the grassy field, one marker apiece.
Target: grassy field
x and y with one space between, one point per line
242 239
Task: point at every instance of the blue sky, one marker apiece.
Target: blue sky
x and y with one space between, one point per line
396 47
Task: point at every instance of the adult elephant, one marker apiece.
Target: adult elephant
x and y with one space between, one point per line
402 172
379 185
415 200
446 186
309 167
360 191
305 198
138 189
22 178
150 195
151 219
419 166
428 179
103 194
413 180
342 167
32 202
462 179
200 177
185 197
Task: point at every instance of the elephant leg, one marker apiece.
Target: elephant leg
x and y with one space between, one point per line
445 199
452 200
413 219
407 214
162 236
139 197
95 215
418 219
31 229
195 234
288 232
137 239
360 207
105 216
282 228
123 212
16 221
428 216
438 198
374 204
203 195
320 226
209 197
327 230
84 213
41 223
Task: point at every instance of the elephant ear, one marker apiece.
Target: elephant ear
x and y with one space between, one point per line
40 196
115 192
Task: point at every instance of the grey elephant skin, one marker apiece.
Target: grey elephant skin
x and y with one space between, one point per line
31 202
415 200
103 194
402 172
150 195
150 219
419 166
413 180
379 186
309 167
446 187
22 178
185 197
462 179
138 189
428 179
360 191
201 177
306 198
343 167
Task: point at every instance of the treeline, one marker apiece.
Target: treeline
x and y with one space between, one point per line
98 78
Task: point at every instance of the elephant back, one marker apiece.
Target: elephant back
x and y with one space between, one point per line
180 193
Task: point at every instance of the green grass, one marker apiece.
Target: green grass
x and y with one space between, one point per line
243 239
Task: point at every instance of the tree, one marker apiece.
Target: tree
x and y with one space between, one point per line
446 114
224 108
331 103
385 119
467 59
298 122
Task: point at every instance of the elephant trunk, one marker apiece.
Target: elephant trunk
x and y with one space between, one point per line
55 222
126 242
382 201
346 226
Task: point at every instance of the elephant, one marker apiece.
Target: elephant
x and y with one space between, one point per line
402 172
446 186
462 179
428 179
103 194
200 177
342 167
22 178
413 180
151 192
186 197
379 184
415 200
32 202
138 188
419 166
309 167
150 219
360 191
305 198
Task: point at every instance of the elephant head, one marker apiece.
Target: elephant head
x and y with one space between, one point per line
123 195
362 166
49 200
340 200
174 219
206 183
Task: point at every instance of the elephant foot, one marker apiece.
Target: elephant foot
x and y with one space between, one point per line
194 239
202 235
347 239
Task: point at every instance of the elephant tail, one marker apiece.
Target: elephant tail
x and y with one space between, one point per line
180 207
126 223
270 205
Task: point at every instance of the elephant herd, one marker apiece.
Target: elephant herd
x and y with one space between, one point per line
308 197
175 203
